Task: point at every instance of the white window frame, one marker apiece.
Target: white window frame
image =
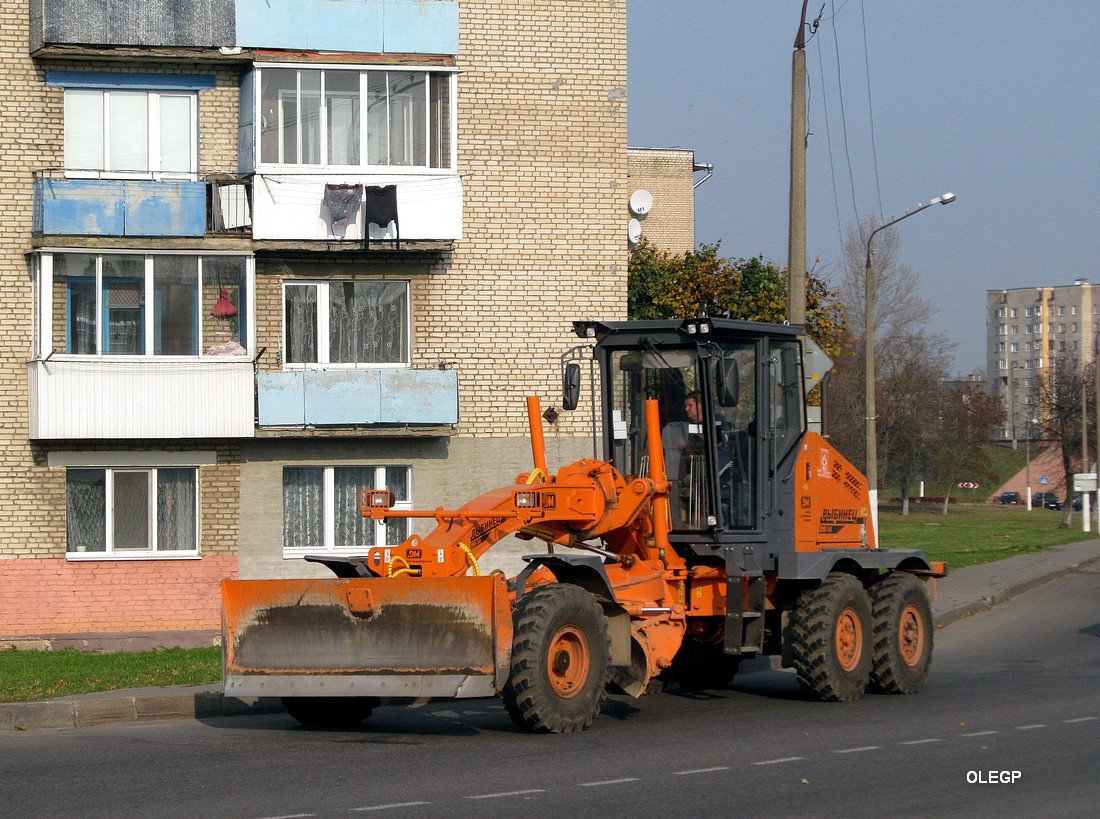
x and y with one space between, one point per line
247 332
153 146
321 288
329 503
74 553
449 166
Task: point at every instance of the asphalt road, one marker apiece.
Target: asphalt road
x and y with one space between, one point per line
1014 689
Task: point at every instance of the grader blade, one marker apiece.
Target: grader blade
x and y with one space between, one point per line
381 637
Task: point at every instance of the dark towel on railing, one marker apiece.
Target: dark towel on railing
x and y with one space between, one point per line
382 207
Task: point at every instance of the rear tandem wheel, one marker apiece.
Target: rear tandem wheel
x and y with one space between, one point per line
830 639
903 631
560 660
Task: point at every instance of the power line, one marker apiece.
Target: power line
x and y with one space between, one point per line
829 143
843 114
871 109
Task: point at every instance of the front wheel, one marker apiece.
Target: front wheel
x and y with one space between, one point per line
829 632
560 660
902 634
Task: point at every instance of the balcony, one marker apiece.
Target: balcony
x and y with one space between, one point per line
290 207
217 204
161 398
385 397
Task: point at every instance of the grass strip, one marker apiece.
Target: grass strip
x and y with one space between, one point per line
972 535
31 676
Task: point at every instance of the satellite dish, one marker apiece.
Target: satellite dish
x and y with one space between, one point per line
641 202
634 231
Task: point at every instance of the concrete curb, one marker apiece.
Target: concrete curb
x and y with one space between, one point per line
91 710
950 611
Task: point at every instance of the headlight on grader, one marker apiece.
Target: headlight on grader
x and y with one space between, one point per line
374 501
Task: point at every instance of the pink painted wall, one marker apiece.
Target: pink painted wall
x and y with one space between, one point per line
56 596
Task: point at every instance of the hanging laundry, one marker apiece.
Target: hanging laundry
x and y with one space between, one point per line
342 202
381 203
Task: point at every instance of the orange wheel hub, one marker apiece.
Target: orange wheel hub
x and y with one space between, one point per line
848 639
568 661
911 636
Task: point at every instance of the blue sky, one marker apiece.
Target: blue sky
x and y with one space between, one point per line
998 102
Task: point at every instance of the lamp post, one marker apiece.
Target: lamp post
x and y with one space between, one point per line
1027 468
869 351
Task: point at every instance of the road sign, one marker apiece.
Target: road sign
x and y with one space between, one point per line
1043 481
968 485
1084 482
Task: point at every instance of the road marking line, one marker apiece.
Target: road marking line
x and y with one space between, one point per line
858 750
981 733
702 771
608 782
778 761
391 806
1079 719
920 741
1031 727
292 816
506 793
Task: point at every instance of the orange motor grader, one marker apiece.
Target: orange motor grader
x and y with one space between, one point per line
715 527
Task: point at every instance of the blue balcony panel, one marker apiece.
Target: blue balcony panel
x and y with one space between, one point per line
342 397
360 26
420 27
281 399
357 397
115 207
420 397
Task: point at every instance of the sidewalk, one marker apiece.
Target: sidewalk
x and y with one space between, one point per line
962 593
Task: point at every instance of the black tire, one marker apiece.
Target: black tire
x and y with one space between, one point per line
330 712
560 660
829 633
903 628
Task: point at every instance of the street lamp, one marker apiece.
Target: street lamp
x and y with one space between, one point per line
869 352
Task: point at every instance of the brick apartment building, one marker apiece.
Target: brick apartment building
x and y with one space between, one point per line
259 255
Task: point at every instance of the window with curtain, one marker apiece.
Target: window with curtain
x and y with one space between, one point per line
139 304
131 511
321 508
347 323
126 132
408 117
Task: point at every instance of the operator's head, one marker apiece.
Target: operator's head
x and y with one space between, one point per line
693 406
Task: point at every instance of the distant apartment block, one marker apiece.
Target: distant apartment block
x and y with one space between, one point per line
1031 330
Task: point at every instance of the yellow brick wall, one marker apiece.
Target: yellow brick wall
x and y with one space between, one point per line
667 175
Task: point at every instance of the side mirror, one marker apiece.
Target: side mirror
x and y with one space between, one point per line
571 386
729 383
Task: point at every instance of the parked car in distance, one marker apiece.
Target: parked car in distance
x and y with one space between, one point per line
1047 500
1009 497
1077 502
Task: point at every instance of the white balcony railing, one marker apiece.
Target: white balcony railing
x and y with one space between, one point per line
289 206
159 398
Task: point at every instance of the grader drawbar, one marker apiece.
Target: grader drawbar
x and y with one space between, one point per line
716 527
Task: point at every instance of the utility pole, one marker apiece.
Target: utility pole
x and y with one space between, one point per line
796 238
